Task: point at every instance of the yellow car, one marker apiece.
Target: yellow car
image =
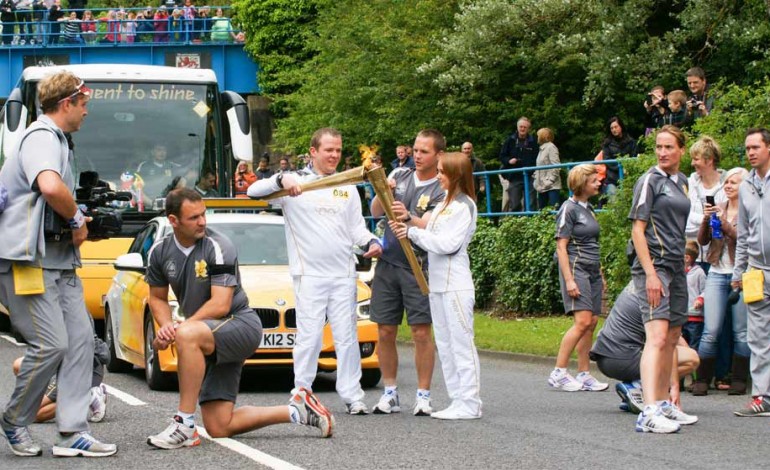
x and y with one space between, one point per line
129 328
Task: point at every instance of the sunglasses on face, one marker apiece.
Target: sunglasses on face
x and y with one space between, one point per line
81 89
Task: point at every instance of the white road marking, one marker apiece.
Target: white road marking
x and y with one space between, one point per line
239 447
250 452
124 397
12 340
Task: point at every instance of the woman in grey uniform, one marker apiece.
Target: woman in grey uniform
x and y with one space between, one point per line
580 277
659 214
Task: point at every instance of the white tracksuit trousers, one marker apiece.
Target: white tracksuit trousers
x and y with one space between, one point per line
316 299
452 314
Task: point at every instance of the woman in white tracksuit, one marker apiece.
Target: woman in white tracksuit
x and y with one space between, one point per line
446 239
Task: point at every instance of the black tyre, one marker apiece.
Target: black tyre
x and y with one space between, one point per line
115 365
156 379
370 377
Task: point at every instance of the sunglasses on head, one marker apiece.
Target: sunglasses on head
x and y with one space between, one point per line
81 89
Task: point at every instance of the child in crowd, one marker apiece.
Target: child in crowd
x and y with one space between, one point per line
677 111
128 28
656 106
696 284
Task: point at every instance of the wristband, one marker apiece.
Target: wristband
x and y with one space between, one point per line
77 220
408 218
279 180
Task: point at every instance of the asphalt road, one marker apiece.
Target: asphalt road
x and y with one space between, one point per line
525 425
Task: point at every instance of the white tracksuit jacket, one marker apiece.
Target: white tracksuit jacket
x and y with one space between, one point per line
446 238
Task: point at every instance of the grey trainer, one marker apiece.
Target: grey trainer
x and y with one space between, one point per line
20 441
82 444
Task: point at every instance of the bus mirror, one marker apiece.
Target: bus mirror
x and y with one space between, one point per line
240 128
14 121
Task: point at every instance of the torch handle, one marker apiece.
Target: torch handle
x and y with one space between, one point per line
379 182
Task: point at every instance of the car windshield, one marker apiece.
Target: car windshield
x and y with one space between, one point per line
143 136
257 244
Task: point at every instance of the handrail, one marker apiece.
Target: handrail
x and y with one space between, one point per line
44 33
527 171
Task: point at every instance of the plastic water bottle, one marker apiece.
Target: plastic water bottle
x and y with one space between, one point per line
716 226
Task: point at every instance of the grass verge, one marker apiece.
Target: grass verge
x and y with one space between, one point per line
537 336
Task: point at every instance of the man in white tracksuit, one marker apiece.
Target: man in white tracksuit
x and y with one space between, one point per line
322 228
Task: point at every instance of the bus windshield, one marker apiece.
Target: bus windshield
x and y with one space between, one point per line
149 137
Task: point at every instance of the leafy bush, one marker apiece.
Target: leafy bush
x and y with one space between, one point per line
513 265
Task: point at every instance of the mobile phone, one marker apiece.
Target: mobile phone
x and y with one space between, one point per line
710 201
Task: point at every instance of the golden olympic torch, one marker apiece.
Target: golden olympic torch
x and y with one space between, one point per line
379 181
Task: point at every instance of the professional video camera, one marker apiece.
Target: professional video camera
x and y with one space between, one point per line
94 197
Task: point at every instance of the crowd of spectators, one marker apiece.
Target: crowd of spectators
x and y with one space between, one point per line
30 22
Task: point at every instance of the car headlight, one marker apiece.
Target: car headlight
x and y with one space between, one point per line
176 312
362 310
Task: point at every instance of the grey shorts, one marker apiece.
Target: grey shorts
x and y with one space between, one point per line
589 281
625 370
673 305
235 339
395 289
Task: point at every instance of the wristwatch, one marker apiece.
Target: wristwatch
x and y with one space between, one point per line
408 217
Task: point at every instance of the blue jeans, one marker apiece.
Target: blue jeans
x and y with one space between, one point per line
692 331
548 199
715 308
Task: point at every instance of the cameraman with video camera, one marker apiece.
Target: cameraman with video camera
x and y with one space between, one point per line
699 103
38 282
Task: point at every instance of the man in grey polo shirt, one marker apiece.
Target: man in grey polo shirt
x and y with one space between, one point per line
37 276
219 333
394 288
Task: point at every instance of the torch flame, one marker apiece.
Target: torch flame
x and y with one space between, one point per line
367 153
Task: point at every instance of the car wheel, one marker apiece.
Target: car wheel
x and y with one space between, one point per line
156 379
115 364
370 377
5 322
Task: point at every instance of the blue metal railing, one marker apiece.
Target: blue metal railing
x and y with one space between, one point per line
528 204
113 32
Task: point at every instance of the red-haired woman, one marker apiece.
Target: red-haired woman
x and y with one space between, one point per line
446 239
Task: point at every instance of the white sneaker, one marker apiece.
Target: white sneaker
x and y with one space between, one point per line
590 384
673 413
82 444
422 406
389 403
454 413
176 435
357 408
564 381
654 421
312 412
98 406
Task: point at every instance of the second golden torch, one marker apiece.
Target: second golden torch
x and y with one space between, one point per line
379 182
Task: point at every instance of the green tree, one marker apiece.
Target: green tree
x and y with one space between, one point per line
364 79
278 36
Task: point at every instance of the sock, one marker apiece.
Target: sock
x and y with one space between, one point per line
650 409
294 415
660 403
581 374
637 383
560 370
423 393
391 389
188 419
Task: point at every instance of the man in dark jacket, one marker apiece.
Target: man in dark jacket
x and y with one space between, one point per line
8 18
520 151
